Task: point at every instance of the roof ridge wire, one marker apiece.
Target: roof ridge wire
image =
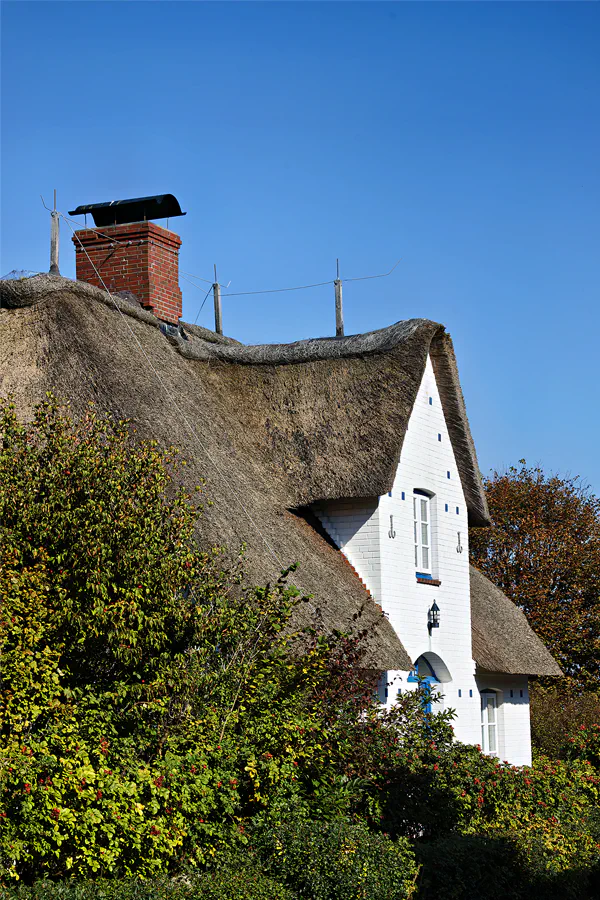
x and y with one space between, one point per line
199 277
173 399
303 287
367 277
199 288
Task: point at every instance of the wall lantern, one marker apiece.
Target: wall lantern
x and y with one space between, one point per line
433 617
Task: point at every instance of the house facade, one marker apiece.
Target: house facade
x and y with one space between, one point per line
410 547
350 456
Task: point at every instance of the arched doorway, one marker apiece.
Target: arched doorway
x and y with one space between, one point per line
430 670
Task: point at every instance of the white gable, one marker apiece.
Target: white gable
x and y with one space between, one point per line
377 537
427 463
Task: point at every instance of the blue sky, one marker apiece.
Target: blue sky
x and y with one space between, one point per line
463 138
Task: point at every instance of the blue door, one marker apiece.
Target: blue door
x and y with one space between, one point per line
424 674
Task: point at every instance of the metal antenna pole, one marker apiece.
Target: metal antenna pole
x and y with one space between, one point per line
339 311
217 299
54 239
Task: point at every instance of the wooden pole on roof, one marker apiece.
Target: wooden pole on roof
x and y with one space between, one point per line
54 239
339 311
217 299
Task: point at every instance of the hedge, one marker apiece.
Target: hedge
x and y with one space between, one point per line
339 860
500 867
217 885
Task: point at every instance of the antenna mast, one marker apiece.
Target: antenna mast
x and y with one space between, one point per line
217 298
54 239
339 311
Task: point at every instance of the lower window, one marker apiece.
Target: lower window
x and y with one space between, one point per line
489 722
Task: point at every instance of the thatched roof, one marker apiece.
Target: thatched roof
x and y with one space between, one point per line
501 636
69 337
311 414
272 429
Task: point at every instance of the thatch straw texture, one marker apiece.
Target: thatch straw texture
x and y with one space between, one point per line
502 638
69 338
272 429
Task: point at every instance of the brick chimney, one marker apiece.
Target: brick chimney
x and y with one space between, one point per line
140 257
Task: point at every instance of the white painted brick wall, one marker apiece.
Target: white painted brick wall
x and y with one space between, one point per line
361 529
354 526
426 459
514 737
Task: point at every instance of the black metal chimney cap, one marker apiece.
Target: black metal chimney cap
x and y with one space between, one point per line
141 209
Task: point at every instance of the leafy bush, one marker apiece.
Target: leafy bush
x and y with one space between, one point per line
337 860
469 867
584 744
225 884
151 704
558 796
545 816
498 867
558 712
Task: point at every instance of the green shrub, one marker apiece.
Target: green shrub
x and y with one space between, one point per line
487 795
337 860
584 744
509 866
150 704
468 867
540 823
245 884
557 713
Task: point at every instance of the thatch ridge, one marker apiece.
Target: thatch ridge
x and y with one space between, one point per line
313 349
328 415
24 292
360 385
32 291
502 639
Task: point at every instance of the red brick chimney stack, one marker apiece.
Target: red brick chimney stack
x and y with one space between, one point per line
140 257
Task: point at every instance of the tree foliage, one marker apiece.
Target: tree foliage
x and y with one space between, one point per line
543 551
558 714
151 703
338 860
159 715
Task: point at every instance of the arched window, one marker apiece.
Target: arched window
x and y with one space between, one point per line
422 531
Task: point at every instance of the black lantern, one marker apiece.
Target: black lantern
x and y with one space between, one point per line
433 616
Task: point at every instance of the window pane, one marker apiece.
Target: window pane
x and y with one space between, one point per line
423 510
483 741
492 738
491 709
415 530
425 534
416 556
425 552
414 507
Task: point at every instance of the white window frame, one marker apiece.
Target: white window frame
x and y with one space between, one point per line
489 725
422 532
